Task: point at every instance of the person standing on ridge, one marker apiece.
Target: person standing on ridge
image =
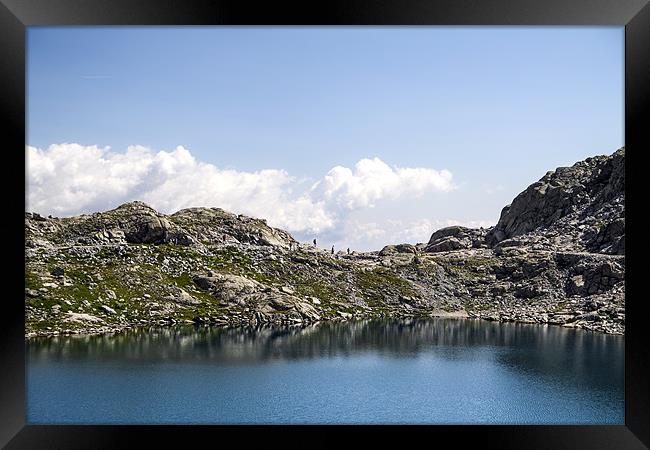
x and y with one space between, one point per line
332 249
314 242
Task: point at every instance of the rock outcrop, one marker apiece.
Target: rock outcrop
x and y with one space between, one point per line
134 223
456 238
399 248
579 208
556 257
214 225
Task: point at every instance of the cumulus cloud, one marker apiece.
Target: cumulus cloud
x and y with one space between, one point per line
373 179
68 179
373 235
420 230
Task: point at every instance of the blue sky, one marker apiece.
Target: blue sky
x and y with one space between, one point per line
497 107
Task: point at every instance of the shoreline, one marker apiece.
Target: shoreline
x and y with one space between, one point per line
456 315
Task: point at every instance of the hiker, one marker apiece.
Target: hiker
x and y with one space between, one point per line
348 250
332 249
314 242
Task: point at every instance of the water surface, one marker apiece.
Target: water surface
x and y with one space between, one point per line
435 371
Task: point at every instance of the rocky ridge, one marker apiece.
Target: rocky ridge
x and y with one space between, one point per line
556 257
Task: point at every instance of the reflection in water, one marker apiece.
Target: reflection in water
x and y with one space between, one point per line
543 354
396 338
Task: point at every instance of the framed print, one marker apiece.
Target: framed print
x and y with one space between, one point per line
373 217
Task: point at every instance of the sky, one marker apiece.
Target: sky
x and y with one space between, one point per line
359 137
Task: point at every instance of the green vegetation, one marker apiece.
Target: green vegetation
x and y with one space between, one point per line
559 307
478 307
135 280
377 284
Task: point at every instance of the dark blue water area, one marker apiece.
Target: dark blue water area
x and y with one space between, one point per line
433 371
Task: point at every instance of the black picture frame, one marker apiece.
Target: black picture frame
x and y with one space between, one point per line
16 15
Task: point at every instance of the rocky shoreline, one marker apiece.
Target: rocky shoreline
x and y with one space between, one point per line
111 330
555 257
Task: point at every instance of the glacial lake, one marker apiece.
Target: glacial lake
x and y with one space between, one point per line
430 371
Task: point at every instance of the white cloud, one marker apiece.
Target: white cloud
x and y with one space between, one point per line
362 232
373 179
421 230
373 235
68 179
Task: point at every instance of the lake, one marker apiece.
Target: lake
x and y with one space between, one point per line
428 371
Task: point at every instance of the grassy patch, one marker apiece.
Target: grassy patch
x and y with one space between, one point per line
32 281
477 307
185 282
378 284
316 288
383 278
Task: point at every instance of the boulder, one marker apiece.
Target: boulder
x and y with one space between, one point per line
82 318
396 249
229 288
455 238
181 297
575 285
107 309
446 245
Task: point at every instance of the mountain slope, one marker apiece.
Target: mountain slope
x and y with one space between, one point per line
582 206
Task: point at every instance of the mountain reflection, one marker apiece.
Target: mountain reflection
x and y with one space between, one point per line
532 348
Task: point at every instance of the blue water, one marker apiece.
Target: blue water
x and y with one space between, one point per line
436 371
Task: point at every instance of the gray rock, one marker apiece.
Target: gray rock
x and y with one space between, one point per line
455 238
287 290
218 226
399 248
566 200
82 318
575 285
107 309
180 296
445 245
280 303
